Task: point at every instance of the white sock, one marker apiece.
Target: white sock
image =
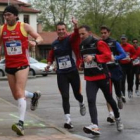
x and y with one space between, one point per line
81 103
28 94
68 119
111 113
22 108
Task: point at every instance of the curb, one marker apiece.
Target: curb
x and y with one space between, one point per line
63 131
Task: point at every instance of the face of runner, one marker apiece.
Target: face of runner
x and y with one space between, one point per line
84 33
135 43
61 31
105 34
10 18
123 40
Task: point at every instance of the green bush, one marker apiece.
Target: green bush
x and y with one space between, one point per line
43 61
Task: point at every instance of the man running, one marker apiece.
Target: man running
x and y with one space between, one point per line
67 72
114 68
95 55
14 37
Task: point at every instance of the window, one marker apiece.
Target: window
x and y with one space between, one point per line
1 19
26 19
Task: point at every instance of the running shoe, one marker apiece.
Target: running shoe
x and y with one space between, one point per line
137 93
68 125
130 94
119 124
19 129
82 109
110 119
92 129
123 99
120 103
34 100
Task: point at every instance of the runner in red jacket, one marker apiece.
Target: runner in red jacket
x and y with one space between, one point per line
95 54
126 65
136 67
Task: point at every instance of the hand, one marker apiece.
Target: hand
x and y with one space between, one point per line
89 58
47 68
32 43
74 21
112 58
81 67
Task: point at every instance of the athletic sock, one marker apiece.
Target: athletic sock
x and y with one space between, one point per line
28 94
68 119
22 108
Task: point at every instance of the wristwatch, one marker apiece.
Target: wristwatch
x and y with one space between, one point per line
35 42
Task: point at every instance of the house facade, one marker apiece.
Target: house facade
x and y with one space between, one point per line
27 14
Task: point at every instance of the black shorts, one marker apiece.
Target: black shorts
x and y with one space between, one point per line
14 70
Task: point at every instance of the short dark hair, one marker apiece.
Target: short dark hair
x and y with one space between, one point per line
60 23
134 39
12 9
103 27
86 27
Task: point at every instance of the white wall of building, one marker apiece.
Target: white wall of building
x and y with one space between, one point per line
32 19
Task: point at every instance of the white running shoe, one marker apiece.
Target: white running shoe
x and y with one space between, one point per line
82 109
137 93
119 124
110 118
68 125
92 129
130 94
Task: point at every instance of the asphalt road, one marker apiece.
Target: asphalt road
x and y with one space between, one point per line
50 110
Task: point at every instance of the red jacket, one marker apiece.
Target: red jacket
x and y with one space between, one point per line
136 61
103 57
130 52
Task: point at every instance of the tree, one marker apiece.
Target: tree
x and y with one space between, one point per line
99 12
53 11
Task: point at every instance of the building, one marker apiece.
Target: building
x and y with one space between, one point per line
27 14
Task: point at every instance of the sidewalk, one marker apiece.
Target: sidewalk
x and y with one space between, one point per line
35 127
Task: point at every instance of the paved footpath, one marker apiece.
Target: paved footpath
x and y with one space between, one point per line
35 127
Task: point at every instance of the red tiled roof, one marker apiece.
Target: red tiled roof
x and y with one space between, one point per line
13 2
23 7
28 9
48 37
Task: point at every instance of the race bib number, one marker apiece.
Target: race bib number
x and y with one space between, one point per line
136 62
89 65
64 62
13 47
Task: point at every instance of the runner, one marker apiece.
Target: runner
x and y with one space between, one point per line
67 72
136 67
95 55
126 65
14 37
114 68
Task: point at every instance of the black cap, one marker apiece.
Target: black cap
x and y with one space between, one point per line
12 9
123 36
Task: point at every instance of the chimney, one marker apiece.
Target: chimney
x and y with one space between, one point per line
39 27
